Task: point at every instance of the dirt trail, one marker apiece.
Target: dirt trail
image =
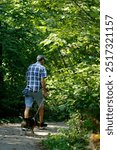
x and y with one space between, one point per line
11 138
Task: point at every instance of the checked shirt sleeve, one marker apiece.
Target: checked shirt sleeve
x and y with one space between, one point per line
43 72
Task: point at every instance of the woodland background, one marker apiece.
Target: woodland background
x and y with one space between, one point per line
67 33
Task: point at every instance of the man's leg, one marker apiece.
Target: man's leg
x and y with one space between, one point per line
27 112
41 117
28 106
41 114
40 101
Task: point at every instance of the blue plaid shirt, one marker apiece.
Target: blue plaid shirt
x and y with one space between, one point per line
34 74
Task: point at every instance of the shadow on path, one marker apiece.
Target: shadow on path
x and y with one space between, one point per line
11 139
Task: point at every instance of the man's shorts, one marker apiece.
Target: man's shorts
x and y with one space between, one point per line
34 96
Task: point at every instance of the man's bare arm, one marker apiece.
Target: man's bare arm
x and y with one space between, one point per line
44 90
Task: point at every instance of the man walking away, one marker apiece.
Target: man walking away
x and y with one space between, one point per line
36 87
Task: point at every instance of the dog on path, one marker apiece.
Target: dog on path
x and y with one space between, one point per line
28 124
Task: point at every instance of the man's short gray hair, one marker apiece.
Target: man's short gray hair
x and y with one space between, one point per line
40 57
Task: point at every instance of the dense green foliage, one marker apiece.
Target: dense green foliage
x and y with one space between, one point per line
67 33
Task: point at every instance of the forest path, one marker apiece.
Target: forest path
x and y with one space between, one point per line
11 138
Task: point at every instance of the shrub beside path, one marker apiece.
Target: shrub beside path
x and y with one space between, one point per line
11 138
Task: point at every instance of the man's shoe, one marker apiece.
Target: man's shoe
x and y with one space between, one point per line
42 125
